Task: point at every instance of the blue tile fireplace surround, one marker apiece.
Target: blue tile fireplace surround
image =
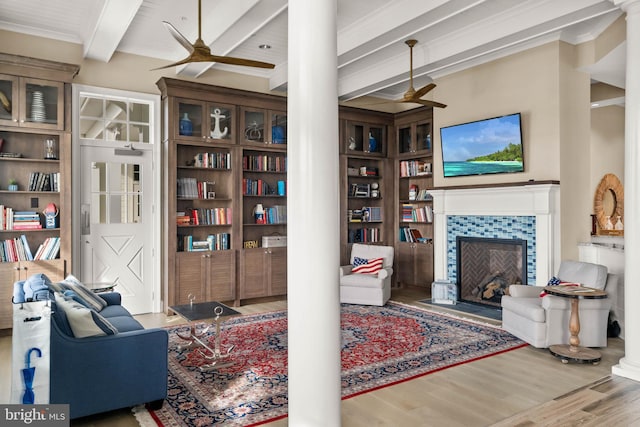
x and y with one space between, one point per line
495 227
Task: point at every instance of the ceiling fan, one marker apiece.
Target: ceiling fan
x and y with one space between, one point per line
200 52
412 95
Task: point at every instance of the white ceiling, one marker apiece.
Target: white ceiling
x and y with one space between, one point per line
372 57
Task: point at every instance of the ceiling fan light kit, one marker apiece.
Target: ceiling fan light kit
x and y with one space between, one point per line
200 52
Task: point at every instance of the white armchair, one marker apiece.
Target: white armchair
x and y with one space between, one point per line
544 321
367 289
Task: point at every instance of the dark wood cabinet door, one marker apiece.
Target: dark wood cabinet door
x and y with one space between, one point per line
221 276
278 271
253 280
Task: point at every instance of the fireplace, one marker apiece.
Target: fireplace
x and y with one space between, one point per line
487 266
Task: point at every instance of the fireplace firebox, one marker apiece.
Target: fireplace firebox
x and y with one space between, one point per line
485 267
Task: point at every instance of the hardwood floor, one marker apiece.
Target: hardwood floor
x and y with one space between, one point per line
524 387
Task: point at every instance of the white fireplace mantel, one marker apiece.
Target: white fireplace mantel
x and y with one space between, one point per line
529 199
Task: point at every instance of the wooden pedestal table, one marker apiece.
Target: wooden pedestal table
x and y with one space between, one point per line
573 351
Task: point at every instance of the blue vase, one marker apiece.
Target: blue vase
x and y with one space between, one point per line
186 127
277 135
373 144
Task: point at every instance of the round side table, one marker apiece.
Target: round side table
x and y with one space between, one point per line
573 352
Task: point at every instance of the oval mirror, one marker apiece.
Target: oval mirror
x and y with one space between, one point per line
608 200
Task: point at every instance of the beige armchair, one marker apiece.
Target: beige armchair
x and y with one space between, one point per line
544 321
367 289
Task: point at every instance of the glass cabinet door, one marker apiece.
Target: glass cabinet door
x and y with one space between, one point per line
8 100
221 119
190 120
253 126
278 124
423 136
405 140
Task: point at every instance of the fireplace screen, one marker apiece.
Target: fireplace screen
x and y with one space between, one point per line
485 268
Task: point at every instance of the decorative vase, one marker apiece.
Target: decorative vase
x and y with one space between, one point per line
608 225
258 213
12 187
619 224
373 144
186 127
277 134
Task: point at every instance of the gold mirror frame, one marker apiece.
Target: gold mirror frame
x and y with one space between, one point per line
609 182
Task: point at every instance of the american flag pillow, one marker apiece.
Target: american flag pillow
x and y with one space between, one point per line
366 266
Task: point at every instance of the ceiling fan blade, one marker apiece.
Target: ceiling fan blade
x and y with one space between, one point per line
175 64
424 90
428 103
179 37
236 61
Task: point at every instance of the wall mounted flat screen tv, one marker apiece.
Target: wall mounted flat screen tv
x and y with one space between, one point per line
482 147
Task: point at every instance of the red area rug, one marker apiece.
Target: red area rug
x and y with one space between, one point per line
381 346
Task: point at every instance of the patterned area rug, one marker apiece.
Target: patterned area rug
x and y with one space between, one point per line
381 346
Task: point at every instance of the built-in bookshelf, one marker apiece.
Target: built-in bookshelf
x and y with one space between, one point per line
414 206
35 164
366 192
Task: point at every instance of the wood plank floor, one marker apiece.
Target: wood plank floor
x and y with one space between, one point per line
524 387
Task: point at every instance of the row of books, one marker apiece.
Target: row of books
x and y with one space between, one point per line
364 235
264 163
276 214
19 220
213 160
413 235
191 188
260 187
213 242
44 181
203 216
414 168
412 213
17 249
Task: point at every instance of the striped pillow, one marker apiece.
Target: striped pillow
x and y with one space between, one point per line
366 266
92 300
83 321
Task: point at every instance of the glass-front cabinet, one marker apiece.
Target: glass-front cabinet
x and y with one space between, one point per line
365 138
415 138
205 121
260 126
33 103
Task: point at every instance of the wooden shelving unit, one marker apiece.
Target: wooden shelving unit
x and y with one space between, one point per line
37 108
414 209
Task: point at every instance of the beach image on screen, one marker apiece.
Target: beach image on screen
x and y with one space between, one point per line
483 147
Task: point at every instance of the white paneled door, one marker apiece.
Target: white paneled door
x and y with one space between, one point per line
117 222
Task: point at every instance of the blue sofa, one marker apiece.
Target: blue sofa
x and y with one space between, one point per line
103 373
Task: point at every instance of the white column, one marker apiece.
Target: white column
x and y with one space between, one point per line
313 210
629 365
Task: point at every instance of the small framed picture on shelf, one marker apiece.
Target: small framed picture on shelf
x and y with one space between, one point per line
424 168
211 195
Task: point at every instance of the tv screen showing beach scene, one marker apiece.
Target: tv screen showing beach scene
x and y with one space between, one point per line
482 147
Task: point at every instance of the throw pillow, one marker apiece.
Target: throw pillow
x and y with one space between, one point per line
366 266
84 322
91 299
